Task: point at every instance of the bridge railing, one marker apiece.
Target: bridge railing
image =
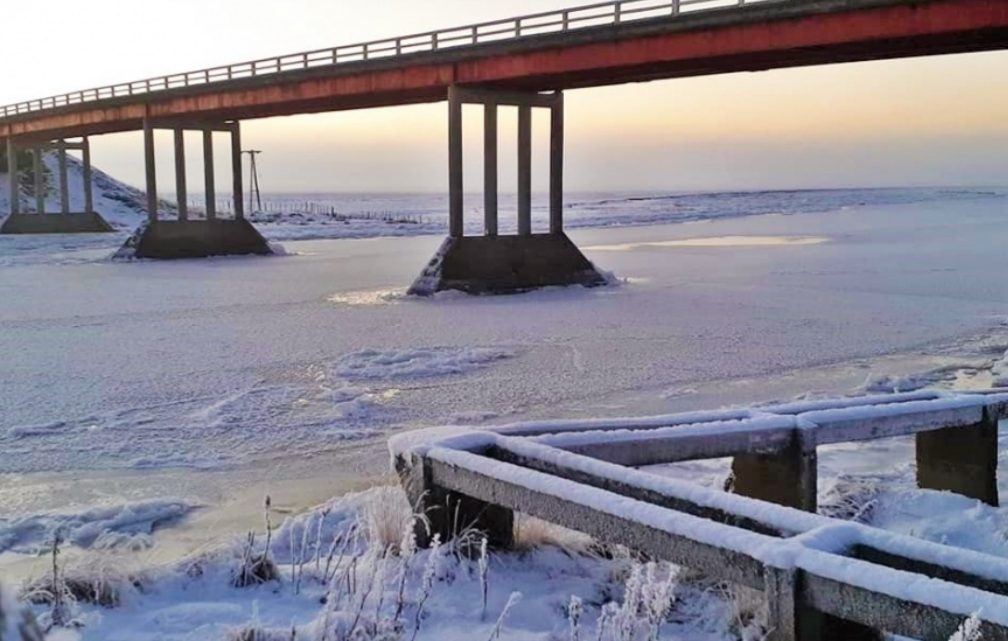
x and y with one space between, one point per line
570 19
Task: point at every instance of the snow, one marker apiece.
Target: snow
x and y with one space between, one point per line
1000 370
116 526
417 363
817 551
192 599
211 380
766 426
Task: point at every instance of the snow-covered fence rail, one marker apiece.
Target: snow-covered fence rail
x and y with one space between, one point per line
603 14
816 571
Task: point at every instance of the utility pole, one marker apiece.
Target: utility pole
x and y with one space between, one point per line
254 179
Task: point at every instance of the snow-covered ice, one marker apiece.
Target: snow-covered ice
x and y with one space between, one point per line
109 527
417 363
125 385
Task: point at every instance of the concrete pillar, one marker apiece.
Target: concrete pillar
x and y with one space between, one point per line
961 460
236 172
789 477
524 170
208 175
151 174
88 180
789 620
556 165
449 513
39 184
181 196
456 227
12 177
64 183
490 169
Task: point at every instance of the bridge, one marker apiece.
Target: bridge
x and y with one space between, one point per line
524 62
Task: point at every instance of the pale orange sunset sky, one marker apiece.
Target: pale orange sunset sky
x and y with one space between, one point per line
940 121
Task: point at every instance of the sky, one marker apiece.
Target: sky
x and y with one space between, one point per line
924 121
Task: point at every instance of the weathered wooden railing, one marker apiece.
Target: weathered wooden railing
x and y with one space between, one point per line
818 573
574 18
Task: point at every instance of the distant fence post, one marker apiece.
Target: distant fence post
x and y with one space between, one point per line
788 477
961 459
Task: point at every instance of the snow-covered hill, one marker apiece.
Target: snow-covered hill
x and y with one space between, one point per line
121 205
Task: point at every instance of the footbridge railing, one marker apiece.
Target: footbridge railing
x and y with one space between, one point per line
818 573
575 18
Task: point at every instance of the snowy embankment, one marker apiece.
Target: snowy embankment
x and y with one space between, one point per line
121 205
349 570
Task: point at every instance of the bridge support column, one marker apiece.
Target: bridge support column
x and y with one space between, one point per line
66 221
39 180
63 178
494 263
13 184
189 236
88 176
961 460
181 198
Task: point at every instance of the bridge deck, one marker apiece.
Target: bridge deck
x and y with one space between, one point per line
610 43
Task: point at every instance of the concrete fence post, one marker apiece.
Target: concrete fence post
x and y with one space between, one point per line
789 620
448 514
788 477
961 459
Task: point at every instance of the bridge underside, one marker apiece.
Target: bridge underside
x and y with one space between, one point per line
752 38
515 72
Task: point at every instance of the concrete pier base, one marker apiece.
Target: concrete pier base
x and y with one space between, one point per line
55 224
196 239
506 264
961 460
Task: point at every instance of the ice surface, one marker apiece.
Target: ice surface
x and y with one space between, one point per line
115 526
229 369
417 363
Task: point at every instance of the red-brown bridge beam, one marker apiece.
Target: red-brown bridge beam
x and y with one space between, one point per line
762 36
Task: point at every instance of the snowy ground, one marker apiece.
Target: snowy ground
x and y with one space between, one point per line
148 407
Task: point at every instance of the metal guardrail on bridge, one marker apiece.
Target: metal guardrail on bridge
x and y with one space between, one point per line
571 19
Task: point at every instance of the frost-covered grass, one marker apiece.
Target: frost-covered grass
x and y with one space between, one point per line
350 570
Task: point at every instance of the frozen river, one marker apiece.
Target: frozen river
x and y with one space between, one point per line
211 382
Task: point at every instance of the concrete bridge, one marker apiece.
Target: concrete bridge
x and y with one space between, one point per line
525 62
